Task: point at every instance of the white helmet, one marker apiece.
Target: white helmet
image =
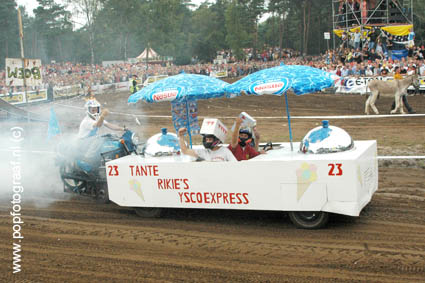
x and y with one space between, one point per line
90 105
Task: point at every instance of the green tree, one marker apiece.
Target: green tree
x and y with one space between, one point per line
52 25
292 21
279 10
254 9
9 31
118 29
237 36
419 21
209 30
168 27
118 17
89 9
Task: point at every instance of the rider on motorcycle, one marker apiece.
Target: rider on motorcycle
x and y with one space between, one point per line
94 120
89 141
82 160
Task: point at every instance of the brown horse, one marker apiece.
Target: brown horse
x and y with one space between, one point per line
392 88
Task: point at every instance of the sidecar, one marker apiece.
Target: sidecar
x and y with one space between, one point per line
327 173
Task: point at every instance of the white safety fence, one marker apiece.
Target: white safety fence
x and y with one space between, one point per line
383 157
60 92
273 117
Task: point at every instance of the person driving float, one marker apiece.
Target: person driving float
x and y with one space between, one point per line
214 133
94 120
240 145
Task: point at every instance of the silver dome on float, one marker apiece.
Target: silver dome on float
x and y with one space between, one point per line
162 144
326 139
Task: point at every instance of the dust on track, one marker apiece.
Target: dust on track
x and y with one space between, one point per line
72 239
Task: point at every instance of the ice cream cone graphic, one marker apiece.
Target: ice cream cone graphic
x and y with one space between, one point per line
301 188
137 187
306 175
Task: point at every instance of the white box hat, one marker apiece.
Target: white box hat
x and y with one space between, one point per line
214 127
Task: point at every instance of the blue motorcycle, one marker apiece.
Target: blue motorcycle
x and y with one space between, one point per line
82 162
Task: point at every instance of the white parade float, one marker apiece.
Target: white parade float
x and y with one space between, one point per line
330 173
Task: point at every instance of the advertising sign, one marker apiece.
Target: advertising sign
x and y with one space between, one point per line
272 87
327 35
16 98
180 115
34 96
66 91
19 97
152 79
15 72
219 74
357 84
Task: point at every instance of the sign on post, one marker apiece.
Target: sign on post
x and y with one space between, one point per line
327 35
15 72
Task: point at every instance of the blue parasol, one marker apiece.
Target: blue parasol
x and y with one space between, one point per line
278 80
181 87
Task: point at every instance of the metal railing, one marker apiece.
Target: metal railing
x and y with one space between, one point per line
347 14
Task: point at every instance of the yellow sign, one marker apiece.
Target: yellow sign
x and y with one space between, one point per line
153 79
65 91
13 99
37 95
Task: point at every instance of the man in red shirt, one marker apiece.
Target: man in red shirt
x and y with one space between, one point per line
240 145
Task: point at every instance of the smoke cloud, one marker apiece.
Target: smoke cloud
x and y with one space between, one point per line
28 158
27 163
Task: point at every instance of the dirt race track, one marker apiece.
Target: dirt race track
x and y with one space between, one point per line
72 239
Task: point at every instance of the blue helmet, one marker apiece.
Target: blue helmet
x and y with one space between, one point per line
246 131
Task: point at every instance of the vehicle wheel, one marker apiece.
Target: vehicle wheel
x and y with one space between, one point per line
102 195
148 212
70 183
309 219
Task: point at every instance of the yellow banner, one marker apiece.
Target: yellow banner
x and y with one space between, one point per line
394 30
40 95
13 99
398 30
338 32
366 30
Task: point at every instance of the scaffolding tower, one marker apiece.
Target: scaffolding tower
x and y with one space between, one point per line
347 14
351 13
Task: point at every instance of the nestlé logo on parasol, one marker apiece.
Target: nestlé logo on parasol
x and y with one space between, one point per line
167 95
276 87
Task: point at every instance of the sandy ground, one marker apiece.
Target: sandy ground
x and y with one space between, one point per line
72 239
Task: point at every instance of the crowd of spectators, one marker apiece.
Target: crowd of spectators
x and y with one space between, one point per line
267 54
67 73
343 61
374 55
382 44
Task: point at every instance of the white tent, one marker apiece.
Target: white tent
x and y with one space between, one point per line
149 54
